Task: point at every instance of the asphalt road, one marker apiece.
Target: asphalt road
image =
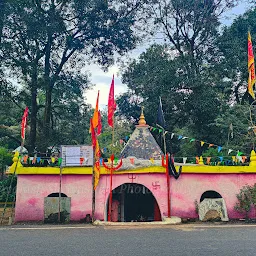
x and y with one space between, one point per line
110 241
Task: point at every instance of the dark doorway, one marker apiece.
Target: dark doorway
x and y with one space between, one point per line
134 203
210 194
57 195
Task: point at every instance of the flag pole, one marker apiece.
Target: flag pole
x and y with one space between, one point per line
110 194
167 177
111 176
60 184
161 120
93 185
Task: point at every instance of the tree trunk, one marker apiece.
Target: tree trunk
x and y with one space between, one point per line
47 116
33 114
48 99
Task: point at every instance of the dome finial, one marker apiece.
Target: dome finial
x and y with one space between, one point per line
142 120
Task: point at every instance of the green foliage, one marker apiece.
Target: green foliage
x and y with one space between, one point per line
122 129
45 45
233 55
8 188
201 76
245 201
5 157
5 160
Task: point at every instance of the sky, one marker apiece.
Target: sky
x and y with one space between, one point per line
101 80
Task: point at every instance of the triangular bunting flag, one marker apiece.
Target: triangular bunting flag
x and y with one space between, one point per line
229 151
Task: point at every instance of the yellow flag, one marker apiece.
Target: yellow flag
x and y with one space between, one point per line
251 67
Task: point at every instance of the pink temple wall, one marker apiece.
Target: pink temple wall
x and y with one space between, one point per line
31 190
190 187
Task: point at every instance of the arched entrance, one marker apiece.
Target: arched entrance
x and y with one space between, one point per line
57 195
134 202
210 194
57 208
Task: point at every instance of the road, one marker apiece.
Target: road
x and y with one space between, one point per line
144 241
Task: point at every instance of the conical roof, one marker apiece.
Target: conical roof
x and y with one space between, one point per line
24 150
142 144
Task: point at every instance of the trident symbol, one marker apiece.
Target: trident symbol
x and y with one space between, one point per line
111 167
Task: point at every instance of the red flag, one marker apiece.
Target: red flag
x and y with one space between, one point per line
99 124
111 104
24 123
93 134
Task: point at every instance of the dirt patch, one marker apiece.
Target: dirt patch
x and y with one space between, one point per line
9 212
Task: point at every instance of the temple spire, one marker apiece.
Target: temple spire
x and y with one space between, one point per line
142 120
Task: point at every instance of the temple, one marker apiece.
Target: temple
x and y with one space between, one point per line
142 189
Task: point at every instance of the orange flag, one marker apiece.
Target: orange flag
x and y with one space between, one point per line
111 104
95 118
251 67
97 165
93 135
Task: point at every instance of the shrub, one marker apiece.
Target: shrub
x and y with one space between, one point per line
246 199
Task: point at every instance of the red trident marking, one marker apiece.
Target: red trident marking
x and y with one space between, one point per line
156 185
132 177
111 167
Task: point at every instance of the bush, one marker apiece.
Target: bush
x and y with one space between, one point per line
246 199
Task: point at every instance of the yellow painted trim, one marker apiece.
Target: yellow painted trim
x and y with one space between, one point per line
154 169
81 170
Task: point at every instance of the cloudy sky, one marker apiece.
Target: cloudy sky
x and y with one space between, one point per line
102 80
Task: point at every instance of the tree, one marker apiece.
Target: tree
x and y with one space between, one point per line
10 115
2 7
156 74
43 40
233 55
122 130
182 70
5 160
